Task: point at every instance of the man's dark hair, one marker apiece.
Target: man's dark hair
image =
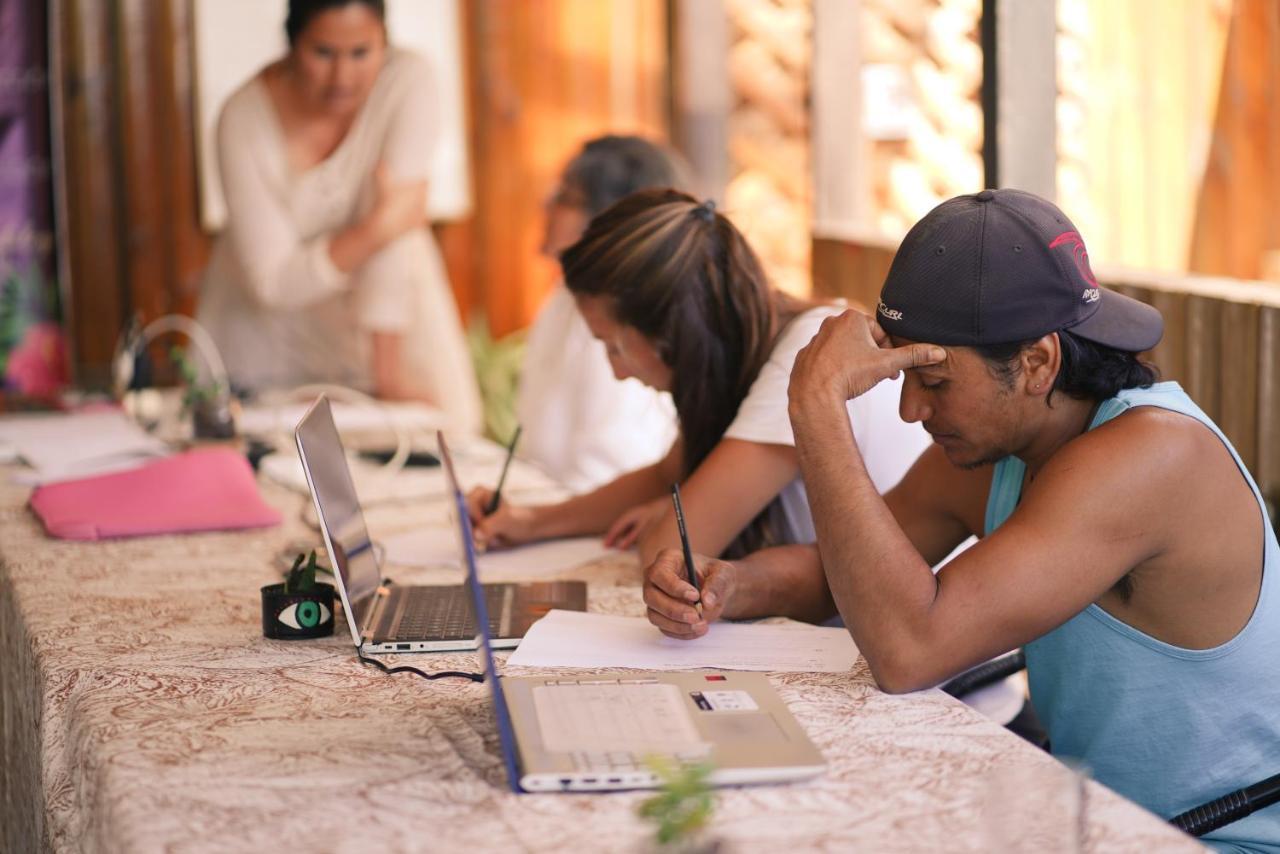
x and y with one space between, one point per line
302 11
1090 371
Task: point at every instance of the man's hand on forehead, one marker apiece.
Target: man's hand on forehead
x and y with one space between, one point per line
848 357
891 342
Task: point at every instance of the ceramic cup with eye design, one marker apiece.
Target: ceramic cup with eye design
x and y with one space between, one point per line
299 615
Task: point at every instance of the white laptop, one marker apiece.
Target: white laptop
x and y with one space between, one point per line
596 733
385 617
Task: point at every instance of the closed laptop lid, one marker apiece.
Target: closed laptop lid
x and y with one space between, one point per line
506 733
341 521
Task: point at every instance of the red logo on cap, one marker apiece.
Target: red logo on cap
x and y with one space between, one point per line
1078 254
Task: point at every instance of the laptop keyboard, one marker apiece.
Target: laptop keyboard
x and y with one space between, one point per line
445 613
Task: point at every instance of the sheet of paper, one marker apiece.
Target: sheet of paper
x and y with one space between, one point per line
576 639
437 546
543 560
59 446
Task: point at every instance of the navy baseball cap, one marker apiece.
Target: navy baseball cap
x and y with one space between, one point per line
1003 266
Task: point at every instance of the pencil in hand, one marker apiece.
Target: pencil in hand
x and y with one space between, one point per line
492 507
684 543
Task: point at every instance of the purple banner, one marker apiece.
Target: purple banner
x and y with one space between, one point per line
32 345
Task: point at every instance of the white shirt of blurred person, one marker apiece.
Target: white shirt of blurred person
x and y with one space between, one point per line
583 425
682 304
326 271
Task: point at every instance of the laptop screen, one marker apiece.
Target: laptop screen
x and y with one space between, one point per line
338 509
506 733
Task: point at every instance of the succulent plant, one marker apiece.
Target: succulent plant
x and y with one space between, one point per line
302 575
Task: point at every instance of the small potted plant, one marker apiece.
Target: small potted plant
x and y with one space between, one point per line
300 606
209 403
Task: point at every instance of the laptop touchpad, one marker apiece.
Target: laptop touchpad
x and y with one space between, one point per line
720 727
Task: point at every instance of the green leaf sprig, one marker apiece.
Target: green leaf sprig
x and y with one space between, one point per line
683 804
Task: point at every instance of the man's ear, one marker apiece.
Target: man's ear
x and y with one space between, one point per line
1040 364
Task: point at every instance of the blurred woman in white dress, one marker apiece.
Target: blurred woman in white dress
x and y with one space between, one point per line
326 271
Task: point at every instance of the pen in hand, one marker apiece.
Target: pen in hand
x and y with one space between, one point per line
684 542
497 493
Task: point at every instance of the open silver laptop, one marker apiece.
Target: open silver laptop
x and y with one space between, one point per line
385 617
597 732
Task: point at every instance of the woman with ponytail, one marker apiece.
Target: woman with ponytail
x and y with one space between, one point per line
681 303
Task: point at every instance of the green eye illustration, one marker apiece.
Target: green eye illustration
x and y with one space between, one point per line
304 615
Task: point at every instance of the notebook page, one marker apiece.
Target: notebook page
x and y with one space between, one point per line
576 639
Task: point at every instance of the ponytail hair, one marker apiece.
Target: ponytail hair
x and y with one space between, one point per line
683 276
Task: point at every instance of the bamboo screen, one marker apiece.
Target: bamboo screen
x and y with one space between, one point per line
929 49
769 194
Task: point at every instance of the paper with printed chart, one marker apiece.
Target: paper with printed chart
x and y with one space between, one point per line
576 639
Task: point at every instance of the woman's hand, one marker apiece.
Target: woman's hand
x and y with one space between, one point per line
670 597
398 207
509 525
631 525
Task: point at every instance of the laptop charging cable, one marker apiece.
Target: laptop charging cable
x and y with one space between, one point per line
404 668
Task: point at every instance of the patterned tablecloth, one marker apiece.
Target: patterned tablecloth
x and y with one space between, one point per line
143 710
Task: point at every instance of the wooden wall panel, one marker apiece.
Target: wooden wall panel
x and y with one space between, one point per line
143 150
1267 467
545 77
1238 377
1237 226
854 270
1203 346
96 287
135 243
1170 355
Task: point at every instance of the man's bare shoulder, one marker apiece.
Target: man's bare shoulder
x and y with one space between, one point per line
1144 461
1145 437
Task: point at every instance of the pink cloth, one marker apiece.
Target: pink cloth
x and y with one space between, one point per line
205 490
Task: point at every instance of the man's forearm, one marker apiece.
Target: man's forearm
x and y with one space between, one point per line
786 581
878 580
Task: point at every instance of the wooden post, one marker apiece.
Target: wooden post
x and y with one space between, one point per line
700 92
1027 96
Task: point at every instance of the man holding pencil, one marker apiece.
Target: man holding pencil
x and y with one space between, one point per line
1123 543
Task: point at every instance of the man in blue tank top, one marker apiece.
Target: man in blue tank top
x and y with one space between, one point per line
1123 542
